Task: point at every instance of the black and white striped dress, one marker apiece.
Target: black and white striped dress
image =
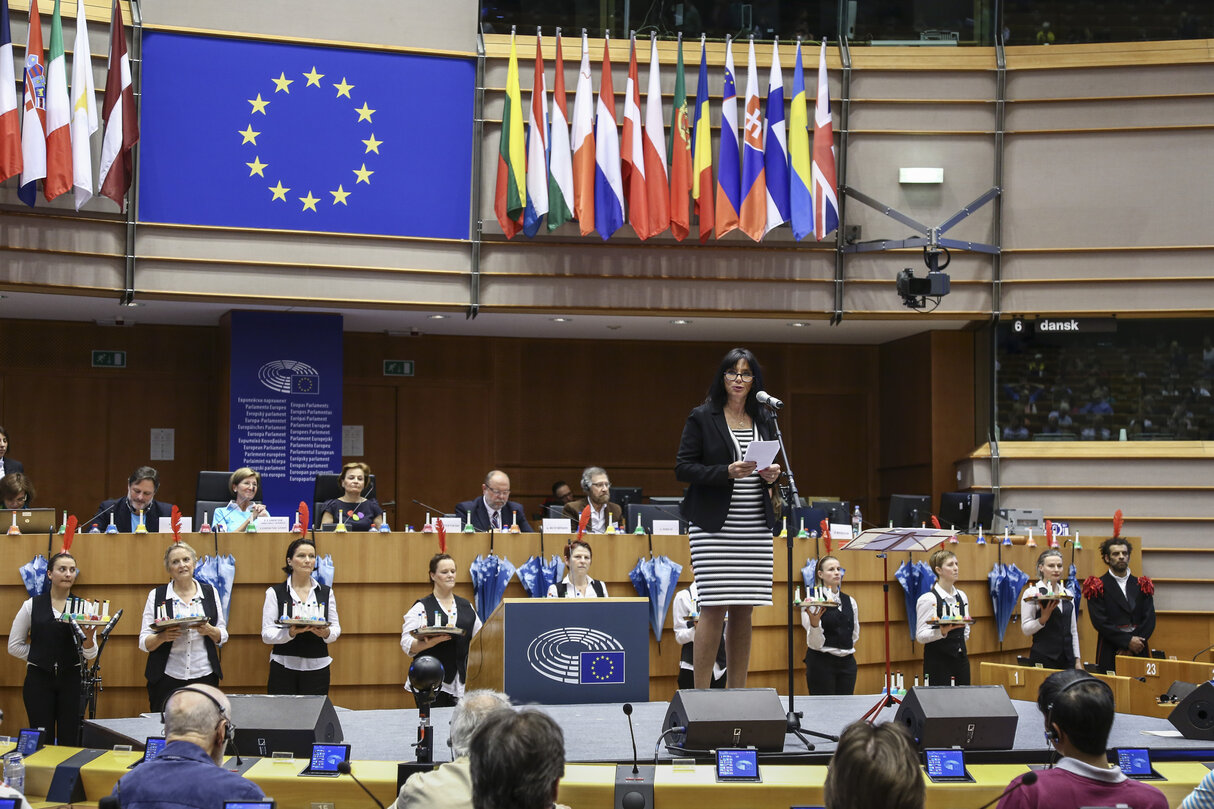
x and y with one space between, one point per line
733 566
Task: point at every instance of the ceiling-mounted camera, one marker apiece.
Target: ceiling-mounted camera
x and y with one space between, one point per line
915 291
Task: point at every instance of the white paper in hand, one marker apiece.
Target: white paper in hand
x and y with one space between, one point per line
762 453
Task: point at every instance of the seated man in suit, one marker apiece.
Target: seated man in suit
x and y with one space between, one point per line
494 508
603 512
142 486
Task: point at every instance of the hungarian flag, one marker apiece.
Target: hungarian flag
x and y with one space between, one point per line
657 183
701 152
583 145
632 151
775 145
680 155
33 118
10 117
58 116
84 111
729 171
801 205
537 147
118 110
826 200
560 166
608 186
754 181
511 198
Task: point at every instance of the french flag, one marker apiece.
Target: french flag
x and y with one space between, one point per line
754 179
826 200
775 153
583 145
608 185
10 118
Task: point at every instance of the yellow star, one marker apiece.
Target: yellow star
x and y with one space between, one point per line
309 201
256 167
258 104
364 113
344 89
82 103
251 137
372 144
340 195
313 77
283 84
364 175
279 191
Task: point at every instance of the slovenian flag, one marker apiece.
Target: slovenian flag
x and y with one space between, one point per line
632 150
537 147
583 145
754 180
608 186
657 184
33 120
560 165
775 145
58 116
801 206
701 151
511 198
10 117
826 200
729 172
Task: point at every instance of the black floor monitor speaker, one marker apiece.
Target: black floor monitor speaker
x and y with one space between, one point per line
267 724
974 717
1194 716
714 717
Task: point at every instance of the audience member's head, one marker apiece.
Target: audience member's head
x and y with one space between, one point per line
517 760
16 490
1078 711
561 493
470 714
200 714
874 765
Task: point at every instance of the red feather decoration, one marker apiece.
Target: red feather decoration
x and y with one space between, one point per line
442 535
69 534
583 521
1117 521
1146 586
305 519
1049 531
1093 587
826 534
935 522
175 522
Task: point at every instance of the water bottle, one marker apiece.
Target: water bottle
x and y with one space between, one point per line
14 772
857 522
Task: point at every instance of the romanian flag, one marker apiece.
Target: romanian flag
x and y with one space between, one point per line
775 145
608 185
826 200
33 120
118 111
10 117
511 198
537 147
657 184
680 155
801 206
560 166
84 110
583 145
729 173
754 180
701 152
632 151
58 116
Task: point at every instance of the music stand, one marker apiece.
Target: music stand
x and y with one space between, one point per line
884 540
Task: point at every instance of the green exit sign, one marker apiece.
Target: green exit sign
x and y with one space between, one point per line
109 359
398 367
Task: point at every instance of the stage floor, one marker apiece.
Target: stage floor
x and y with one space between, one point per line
599 733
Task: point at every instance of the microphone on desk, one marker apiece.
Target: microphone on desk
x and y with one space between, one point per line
633 789
344 768
108 508
1028 779
628 713
439 511
765 398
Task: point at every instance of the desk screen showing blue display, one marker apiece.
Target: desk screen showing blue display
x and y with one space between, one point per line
946 765
737 764
10 803
326 757
28 741
1134 761
152 747
266 804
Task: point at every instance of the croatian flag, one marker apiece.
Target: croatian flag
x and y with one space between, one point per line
608 185
754 180
826 201
775 153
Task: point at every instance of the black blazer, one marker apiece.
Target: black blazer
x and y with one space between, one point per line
122 515
12 467
1113 613
480 515
705 452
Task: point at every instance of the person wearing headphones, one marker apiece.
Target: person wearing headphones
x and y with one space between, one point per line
189 771
1078 712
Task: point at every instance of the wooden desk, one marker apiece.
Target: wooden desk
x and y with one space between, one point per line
1023 682
1159 676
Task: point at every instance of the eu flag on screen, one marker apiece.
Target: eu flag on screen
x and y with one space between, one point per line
602 668
299 137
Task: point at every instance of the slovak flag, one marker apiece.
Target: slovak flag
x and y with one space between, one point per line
608 185
754 180
826 200
775 146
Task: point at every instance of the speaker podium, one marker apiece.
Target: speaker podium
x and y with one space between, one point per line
561 651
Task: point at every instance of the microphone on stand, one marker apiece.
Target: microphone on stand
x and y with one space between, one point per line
765 398
108 508
633 789
1028 779
108 628
344 768
628 713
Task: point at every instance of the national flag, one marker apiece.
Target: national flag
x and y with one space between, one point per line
608 185
583 145
511 199
826 200
58 116
775 145
657 183
754 180
701 152
680 155
118 110
632 151
84 110
537 147
10 115
33 118
801 205
729 171
560 165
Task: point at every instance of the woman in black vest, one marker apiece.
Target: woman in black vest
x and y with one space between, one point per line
179 656
442 608
830 633
52 674
1050 623
945 658
577 583
300 661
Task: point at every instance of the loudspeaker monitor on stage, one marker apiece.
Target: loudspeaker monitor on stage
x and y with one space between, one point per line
736 717
974 717
267 724
1194 716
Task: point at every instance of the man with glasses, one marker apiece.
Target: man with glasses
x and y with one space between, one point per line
493 510
603 512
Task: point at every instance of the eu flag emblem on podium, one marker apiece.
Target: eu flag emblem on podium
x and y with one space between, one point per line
601 668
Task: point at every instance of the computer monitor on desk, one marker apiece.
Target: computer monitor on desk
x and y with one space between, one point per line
965 511
910 510
646 514
838 512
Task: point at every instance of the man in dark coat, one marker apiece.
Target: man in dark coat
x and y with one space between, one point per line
1121 606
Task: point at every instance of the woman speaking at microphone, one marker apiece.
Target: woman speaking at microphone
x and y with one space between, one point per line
442 608
300 662
182 654
577 583
728 503
352 509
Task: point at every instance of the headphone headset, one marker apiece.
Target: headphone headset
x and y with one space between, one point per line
1051 735
229 733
